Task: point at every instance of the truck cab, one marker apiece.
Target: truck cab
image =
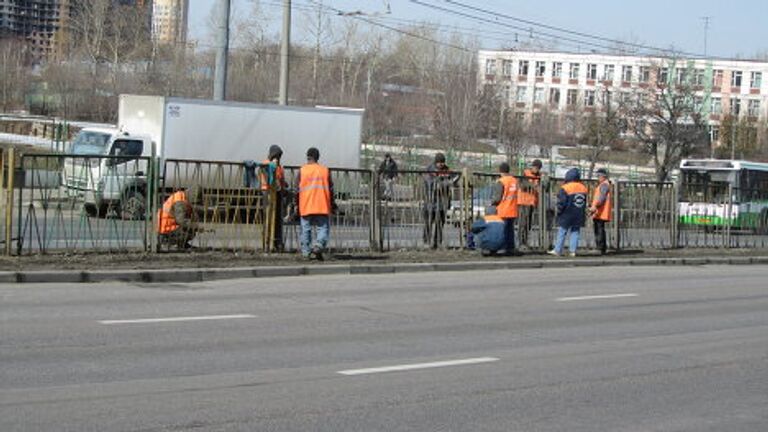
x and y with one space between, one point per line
107 169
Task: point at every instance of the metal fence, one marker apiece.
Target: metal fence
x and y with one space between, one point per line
57 203
56 209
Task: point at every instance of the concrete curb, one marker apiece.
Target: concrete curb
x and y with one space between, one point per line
210 274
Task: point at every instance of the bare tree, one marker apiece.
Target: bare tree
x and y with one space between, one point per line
13 73
668 119
602 129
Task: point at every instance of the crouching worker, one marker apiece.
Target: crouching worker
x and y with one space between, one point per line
177 219
489 233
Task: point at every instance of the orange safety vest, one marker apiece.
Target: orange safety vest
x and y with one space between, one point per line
279 176
576 188
604 211
507 207
314 190
529 197
493 218
167 223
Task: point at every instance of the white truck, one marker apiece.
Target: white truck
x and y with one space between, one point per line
111 167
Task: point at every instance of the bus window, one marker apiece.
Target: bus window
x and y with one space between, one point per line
706 186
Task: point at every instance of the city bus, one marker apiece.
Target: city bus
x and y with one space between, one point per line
719 193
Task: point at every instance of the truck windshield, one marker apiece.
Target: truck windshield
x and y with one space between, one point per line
90 143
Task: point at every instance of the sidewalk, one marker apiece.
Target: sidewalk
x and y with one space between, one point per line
198 267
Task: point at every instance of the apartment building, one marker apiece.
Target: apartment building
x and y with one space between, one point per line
39 22
170 21
559 82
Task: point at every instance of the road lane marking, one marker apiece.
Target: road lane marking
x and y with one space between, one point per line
407 367
176 319
596 297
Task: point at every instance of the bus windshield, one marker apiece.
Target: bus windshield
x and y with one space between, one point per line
90 143
710 186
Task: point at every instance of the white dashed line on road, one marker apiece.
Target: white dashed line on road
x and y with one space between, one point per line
596 297
415 366
176 319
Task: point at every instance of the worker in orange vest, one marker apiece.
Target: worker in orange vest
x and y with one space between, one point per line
601 209
272 175
177 218
505 199
528 199
315 203
571 208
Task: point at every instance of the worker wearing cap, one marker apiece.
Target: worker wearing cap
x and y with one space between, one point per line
438 181
528 200
272 175
601 209
505 199
316 203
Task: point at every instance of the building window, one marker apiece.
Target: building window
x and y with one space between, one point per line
680 76
507 94
554 96
538 95
714 133
573 73
589 98
591 71
522 69
506 68
626 73
756 80
716 106
698 104
663 76
608 74
645 74
735 106
522 94
717 78
490 67
572 97
754 108
736 79
698 78
540 68
557 69
625 98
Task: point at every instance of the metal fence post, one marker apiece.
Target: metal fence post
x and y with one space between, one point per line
542 216
153 193
617 215
9 171
675 215
375 225
728 216
466 207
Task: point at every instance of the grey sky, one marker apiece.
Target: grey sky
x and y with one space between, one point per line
737 28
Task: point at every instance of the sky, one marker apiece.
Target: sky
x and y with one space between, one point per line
736 28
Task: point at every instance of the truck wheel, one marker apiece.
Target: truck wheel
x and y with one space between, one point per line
133 205
91 210
96 211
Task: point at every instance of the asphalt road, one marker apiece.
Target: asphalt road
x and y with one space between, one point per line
628 349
